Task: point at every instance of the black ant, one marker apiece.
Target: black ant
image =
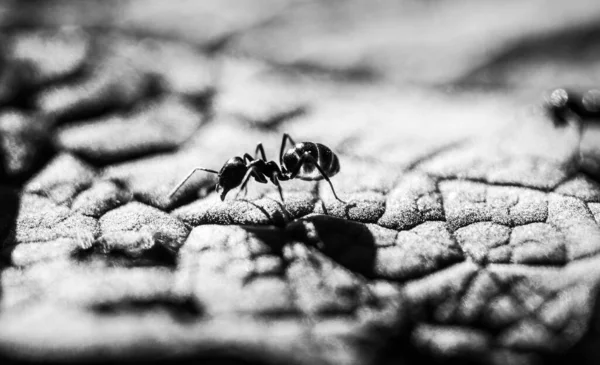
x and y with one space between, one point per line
562 104
569 107
306 161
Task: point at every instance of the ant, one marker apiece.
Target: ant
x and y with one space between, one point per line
573 108
306 161
563 104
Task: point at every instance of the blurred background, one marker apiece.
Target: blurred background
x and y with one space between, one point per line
464 67
468 43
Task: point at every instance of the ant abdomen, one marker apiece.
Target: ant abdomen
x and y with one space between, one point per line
322 154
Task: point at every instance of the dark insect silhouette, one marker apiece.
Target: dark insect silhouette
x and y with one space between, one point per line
306 161
575 109
564 105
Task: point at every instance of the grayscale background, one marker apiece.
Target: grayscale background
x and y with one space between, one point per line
469 228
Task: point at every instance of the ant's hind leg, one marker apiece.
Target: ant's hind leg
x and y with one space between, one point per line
285 138
308 156
260 149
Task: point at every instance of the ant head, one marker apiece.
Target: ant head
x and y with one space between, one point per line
231 175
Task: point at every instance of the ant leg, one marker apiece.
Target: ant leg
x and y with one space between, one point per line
187 178
581 130
248 158
245 181
285 138
308 156
259 148
575 122
276 182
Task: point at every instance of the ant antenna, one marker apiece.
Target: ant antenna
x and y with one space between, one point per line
187 178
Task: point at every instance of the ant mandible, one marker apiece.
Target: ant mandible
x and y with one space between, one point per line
306 161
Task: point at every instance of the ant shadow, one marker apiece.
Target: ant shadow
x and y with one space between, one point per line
278 218
349 244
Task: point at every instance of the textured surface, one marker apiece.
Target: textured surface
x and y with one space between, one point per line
470 233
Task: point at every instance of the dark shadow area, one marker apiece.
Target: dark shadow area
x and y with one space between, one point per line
181 309
349 244
211 357
279 218
9 210
590 165
17 88
587 350
156 256
277 121
203 102
129 249
355 74
274 237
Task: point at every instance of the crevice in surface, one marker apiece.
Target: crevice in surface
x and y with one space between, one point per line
275 122
182 309
156 256
416 163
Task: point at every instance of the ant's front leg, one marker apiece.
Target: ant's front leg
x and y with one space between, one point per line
285 138
188 177
261 150
248 158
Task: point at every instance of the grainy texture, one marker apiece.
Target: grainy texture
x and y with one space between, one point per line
469 231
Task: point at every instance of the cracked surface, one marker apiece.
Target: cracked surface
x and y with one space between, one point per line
468 231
